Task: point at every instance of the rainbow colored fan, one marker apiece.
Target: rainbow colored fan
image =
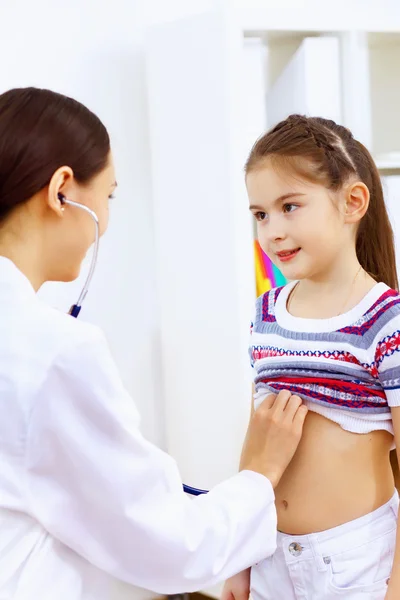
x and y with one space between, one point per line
268 276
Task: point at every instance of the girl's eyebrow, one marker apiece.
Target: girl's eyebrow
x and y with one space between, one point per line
277 201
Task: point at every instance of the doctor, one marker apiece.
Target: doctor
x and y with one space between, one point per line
84 498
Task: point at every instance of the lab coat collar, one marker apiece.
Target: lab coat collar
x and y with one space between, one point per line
10 275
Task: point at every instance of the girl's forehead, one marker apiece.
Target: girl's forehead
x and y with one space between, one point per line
269 180
290 171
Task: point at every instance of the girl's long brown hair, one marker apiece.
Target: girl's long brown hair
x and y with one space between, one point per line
325 152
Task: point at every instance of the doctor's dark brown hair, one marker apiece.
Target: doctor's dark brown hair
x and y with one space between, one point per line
40 131
323 152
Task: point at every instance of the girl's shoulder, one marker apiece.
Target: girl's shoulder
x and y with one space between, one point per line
271 296
265 305
385 312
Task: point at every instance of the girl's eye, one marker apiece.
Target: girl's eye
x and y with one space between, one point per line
288 208
111 196
260 216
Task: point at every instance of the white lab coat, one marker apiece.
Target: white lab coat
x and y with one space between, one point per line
84 498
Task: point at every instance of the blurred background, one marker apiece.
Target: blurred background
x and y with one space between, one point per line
185 88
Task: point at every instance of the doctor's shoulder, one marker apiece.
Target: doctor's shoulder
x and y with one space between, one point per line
74 355
49 359
61 334
79 369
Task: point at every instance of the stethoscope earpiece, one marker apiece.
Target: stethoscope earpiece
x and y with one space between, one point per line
75 308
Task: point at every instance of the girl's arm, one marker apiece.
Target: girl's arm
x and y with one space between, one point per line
393 591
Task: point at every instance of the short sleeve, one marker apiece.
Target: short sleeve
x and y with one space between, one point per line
387 361
256 327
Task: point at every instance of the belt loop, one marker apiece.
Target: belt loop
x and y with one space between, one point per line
322 565
394 504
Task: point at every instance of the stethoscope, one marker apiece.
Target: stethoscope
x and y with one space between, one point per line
76 308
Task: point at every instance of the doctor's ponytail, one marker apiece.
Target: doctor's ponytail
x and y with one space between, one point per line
40 131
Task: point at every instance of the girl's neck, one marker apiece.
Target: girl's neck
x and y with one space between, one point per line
332 294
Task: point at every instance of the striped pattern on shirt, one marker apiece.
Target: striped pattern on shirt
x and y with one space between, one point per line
351 362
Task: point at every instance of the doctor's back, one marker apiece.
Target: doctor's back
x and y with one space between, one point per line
38 436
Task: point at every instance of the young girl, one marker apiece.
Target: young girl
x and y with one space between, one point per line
331 336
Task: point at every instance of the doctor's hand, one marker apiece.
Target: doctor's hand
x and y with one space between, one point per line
237 587
273 435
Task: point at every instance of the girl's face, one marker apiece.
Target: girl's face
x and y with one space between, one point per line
300 225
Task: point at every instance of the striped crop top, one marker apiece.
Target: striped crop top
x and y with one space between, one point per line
346 368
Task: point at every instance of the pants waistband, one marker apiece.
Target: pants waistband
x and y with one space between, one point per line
334 541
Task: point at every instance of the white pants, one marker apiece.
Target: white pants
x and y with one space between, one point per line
352 561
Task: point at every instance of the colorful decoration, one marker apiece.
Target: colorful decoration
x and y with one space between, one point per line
268 276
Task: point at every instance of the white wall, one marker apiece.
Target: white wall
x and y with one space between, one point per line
93 51
203 234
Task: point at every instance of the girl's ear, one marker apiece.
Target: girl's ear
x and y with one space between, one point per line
356 202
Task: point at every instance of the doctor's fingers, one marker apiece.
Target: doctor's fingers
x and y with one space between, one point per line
268 402
280 403
273 406
288 409
292 407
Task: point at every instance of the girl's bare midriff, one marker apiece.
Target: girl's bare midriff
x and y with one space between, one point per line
334 477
